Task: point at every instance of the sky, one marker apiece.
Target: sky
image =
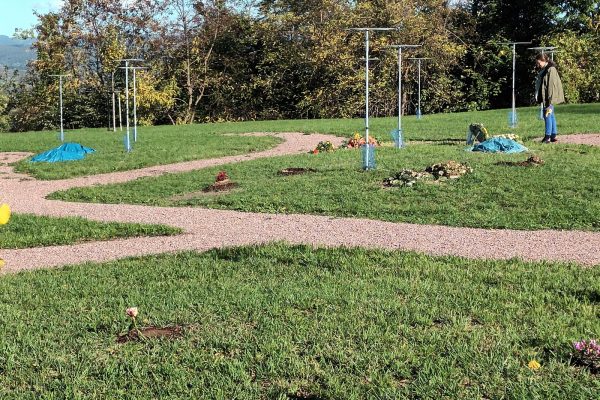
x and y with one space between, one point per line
19 13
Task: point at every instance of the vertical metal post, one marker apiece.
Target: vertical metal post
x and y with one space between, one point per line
127 141
513 113
399 95
134 109
513 119
60 96
113 102
419 90
367 30
418 60
62 132
398 139
120 112
367 97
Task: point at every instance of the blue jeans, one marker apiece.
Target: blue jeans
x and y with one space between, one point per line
550 121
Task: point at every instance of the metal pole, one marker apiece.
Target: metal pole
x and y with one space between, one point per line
399 93
120 113
367 99
62 132
127 138
134 109
60 96
419 90
127 141
418 60
113 102
399 141
513 113
367 30
514 107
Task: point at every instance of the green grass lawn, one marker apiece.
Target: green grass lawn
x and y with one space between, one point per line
169 144
564 193
25 230
293 322
156 145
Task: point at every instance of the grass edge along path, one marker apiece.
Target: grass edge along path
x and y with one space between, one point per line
28 231
283 321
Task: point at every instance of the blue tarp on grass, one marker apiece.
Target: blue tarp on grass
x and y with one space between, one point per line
64 152
500 145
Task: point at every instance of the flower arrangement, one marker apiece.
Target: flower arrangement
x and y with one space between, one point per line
222 177
324 147
357 140
477 132
587 353
510 136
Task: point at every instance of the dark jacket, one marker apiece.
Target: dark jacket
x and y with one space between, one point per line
549 88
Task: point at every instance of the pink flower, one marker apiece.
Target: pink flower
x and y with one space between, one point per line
132 312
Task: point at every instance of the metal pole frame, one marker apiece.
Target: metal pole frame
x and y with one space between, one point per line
399 142
114 111
135 102
513 119
367 30
419 60
127 136
60 91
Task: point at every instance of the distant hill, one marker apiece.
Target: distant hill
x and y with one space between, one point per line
15 53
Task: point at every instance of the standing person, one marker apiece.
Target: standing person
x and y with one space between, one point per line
549 92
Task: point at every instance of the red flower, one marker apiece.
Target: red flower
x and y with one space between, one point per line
221 176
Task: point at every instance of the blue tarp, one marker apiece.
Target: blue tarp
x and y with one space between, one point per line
503 145
64 152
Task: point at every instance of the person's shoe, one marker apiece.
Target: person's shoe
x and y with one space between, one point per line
546 139
553 139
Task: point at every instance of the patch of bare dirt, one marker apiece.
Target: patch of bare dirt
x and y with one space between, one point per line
533 161
295 171
149 332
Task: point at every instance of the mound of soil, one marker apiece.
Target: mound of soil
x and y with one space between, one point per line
168 332
295 171
434 173
532 161
220 186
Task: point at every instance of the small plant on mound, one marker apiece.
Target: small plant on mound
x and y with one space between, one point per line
357 140
135 333
586 353
222 183
438 172
324 147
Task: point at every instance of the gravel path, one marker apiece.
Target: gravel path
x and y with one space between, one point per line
205 228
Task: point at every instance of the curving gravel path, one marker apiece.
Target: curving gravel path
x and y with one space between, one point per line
205 228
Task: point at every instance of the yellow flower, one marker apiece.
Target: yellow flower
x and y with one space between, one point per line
533 365
4 214
1 263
